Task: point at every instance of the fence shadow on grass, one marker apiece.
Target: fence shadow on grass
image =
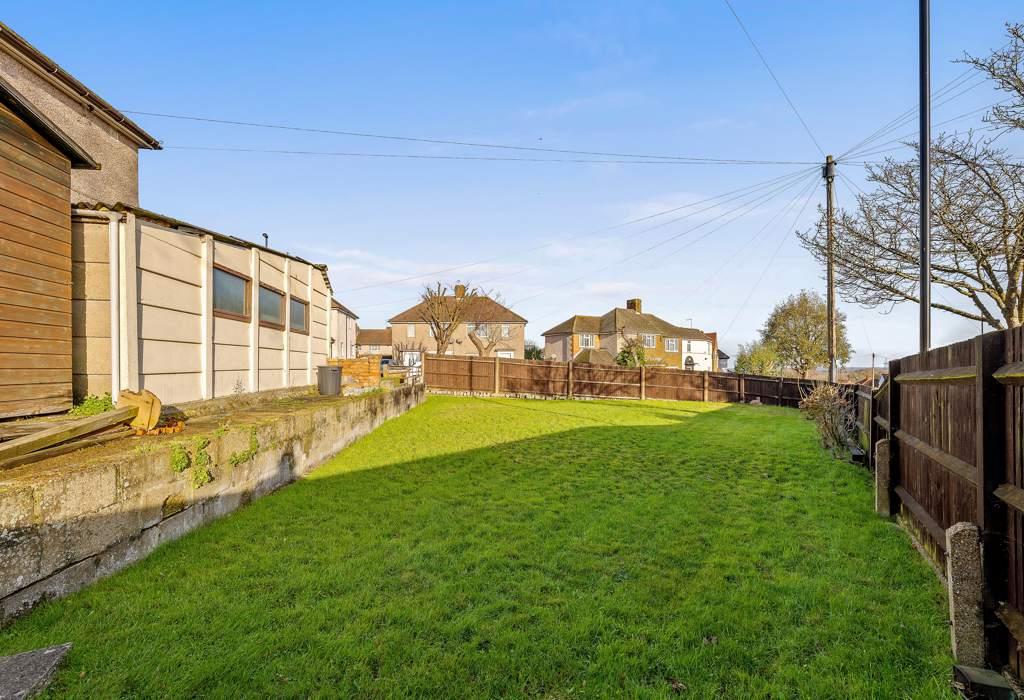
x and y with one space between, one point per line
624 558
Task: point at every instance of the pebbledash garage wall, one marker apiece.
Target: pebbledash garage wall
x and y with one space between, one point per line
171 339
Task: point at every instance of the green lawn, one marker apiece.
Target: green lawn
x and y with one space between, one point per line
494 548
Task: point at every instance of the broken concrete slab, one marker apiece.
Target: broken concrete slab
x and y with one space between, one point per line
24 675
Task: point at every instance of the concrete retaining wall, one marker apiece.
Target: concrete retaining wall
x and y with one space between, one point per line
66 523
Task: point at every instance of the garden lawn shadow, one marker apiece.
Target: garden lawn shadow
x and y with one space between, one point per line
497 547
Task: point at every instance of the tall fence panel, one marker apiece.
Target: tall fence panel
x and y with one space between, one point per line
606 382
953 417
673 385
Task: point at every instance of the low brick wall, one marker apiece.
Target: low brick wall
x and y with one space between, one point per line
67 522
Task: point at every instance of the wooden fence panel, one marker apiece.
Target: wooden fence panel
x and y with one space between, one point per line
723 387
939 415
541 377
1014 475
674 384
604 381
459 373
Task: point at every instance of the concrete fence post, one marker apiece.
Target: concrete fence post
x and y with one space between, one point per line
643 382
497 374
964 573
704 386
741 388
883 486
568 386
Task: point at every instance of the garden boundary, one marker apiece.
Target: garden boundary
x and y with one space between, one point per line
949 450
570 380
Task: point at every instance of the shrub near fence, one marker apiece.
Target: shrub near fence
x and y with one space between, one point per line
949 428
579 380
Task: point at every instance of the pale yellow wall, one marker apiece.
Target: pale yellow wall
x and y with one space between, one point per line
344 335
168 303
90 307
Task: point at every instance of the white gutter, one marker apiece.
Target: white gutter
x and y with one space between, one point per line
114 252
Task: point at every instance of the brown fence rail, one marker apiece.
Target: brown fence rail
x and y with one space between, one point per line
950 421
579 380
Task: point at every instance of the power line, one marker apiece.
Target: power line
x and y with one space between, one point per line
768 265
772 74
435 141
750 205
417 156
721 198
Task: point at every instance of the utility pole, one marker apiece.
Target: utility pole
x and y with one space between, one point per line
828 172
925 84
872 370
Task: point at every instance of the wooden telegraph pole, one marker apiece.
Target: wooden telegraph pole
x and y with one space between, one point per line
925 85
828 173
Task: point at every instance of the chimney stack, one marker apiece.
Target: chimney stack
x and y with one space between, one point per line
634 305
460 290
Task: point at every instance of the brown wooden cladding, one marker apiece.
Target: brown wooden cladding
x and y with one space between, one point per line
35 272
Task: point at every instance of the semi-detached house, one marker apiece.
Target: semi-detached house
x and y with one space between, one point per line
98 294
598 339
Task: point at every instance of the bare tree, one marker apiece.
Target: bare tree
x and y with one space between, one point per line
1004 67
400 350
977 217
977 234
443 310
486 325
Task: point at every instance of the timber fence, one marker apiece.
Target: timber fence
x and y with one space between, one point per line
947 432
495 375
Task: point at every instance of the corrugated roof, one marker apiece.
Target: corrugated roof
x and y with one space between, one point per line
479 310
185 227
20 48
373 336
20 105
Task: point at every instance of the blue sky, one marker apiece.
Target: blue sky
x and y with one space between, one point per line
669 78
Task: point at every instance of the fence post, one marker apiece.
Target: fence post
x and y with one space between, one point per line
989 455
870 418
894 443
779 392
497 374
568 384
643 382
704 387
742 389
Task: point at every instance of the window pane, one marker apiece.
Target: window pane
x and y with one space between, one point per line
271 308
298 320
228 292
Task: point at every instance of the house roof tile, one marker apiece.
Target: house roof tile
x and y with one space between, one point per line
373 336
479 310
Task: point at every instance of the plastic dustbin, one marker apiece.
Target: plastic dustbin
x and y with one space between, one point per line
328 380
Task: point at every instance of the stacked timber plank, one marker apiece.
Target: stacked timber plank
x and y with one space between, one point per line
31 441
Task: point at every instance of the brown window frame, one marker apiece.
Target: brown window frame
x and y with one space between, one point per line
305 303
247 316
284 298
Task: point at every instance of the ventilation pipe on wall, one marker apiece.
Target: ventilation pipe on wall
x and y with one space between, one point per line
114 251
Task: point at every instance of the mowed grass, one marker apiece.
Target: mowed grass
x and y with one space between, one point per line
495 548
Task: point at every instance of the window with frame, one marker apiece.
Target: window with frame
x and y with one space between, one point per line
299 321
410 330
505 354
506 330
650 340
587 340
689 346
230 294
271 307
671 344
